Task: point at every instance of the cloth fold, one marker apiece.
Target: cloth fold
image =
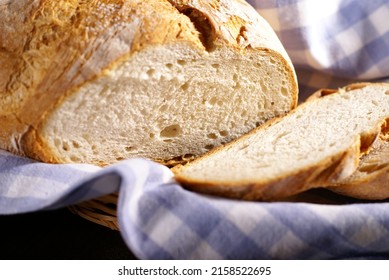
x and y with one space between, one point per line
161 220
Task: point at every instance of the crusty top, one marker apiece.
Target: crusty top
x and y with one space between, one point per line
49 48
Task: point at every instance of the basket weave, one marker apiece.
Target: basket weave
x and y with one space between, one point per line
101 211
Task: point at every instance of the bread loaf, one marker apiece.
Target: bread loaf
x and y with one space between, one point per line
318 144
100 81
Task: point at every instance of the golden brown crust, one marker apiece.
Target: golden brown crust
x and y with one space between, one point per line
328 91
51 48
64 44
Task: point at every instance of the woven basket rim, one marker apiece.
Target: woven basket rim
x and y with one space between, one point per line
101 210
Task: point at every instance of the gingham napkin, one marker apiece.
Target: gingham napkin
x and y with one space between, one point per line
332 43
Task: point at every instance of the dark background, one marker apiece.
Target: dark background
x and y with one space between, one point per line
59 235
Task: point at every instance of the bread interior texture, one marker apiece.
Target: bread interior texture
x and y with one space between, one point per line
168 101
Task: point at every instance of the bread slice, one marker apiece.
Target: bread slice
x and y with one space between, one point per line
318 143
371 180
99 81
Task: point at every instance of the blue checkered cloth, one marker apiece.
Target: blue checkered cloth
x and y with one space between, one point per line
332 43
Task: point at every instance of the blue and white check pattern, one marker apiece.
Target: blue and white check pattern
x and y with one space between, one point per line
331 43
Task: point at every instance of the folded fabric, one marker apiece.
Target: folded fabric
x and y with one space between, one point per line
332 43
160 220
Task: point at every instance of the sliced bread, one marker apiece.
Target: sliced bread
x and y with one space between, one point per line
371 180
318 143
100 81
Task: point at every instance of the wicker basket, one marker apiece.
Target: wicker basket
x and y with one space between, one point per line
101 211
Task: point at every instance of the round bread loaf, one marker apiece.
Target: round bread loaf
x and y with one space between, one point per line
99 81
